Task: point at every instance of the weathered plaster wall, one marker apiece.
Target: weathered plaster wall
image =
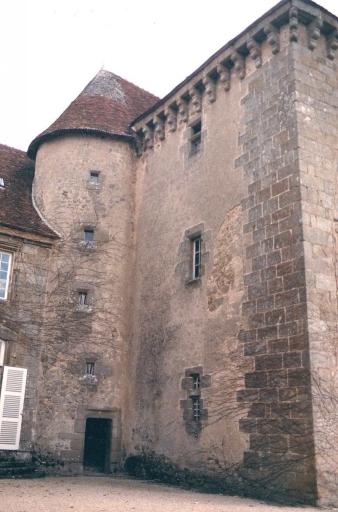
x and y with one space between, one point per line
21 319
182 325
317 109
98 332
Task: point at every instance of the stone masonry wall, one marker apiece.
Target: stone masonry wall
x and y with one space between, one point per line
95 332
317 103
184 326
279 422
21 319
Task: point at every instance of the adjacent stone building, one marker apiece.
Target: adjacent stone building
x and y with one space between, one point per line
168 275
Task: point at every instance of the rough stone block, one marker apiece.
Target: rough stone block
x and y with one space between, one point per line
257 290
255 348
255 380
269 362
299 377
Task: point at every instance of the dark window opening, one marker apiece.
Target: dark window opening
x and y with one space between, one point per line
97 445
89 235
83 298
196 381
94 177
197 253
196 408
89 368
196 139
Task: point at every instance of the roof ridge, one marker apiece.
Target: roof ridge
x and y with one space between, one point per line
119 78
15 149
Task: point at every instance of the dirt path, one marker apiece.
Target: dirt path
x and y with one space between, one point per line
104 494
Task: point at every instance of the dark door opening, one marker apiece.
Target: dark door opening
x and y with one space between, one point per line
97 444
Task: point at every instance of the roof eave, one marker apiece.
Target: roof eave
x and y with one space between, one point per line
232 42
36 143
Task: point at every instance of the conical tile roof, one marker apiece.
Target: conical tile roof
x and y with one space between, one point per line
107 105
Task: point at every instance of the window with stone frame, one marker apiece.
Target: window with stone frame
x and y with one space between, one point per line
88 235
2 352
194 412
90 368
94 176
83 298
197 253
193 255
196 408
196 137
5 273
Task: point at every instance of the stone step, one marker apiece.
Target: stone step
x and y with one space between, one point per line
22 472
14 464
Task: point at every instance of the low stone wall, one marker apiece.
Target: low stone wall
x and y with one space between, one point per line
233 481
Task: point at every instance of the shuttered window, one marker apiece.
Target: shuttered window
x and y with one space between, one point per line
5 267
2 352
11 406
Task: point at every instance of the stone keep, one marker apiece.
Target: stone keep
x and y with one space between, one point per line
209 274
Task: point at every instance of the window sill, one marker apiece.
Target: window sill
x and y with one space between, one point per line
195 281
83 309
88 246
93 186
88 380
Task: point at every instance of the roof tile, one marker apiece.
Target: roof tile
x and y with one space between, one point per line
108 104
16 208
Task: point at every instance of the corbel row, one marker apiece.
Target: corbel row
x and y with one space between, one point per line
180 110
313 33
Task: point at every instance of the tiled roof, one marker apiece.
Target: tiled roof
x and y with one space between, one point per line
16 208
107 105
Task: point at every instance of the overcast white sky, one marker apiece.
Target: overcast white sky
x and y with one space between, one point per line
51 49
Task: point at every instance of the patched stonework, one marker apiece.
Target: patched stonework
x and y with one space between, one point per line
227 270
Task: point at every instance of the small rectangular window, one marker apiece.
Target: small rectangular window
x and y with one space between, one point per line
197 250
89 235
94 177
5 267
89 368
2 352
196 408
2 182
196 132
83 298
196 381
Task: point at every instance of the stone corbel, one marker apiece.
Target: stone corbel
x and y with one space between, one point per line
224 76
171 116
139 143
332 44
159 128
196 99
183 109
255 52
239 63
313 32
293 24
148 136
210 88
272 35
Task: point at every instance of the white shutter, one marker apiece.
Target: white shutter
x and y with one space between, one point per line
11 406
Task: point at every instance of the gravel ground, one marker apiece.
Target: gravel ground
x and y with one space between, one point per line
104 494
